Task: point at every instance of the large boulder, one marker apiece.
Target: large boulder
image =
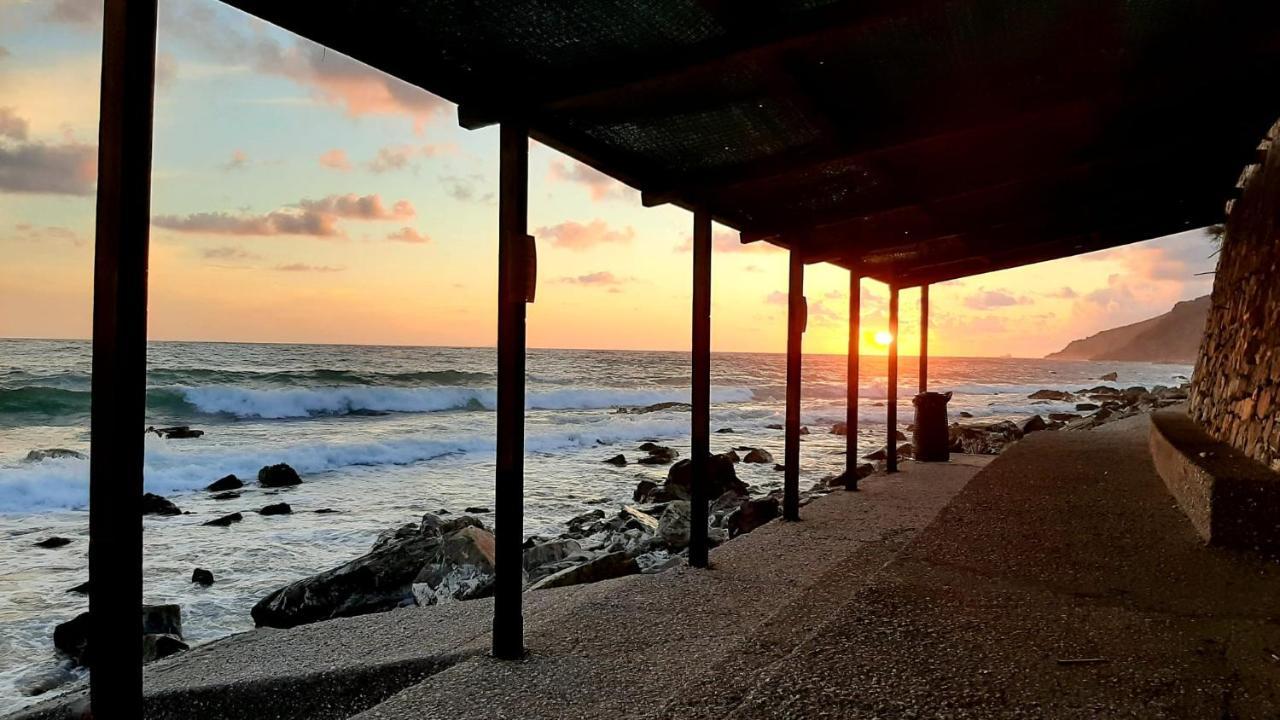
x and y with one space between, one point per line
153 504
723 478
227 482
1035 423
52 454
658 455
161 630
1058 395
461 568
278 475
377 581
551 551
758 456
605 567
983 439
674 525
752 514
840 428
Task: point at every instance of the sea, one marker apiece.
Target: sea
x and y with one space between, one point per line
382 435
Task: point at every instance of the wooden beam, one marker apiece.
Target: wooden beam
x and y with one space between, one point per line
852 378
891 402
513 293
700 418
924 338
797 318
119 384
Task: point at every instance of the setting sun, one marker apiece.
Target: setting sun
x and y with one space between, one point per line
884 337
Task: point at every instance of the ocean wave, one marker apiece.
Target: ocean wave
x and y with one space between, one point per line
63 483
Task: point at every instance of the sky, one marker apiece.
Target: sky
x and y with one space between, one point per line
299 196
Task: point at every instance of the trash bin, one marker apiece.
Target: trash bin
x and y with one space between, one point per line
930 437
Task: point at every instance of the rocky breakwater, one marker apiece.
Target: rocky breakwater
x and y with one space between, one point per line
1092 407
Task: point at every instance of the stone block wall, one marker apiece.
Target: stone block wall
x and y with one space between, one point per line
1235 391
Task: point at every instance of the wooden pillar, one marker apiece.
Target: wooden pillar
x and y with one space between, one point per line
891 404
119 384
515 263
700 432
851 383
924 338
797 312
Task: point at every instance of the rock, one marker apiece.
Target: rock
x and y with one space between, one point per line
1086 406
228 495
752 514
725 430
52 542
276 509
156 646
1110 377
674 525
774 426
649 522
200 576
605 567
656 407
860 471
583 521
758 456
324 511
226 520
1064 417
965 414
620 460
986 439
279 475
229 482
732 456
904 450
43 680
645 489
179 432
53 454
551 551
658 455
71 638
783 468
728 501
804 430
377 581
460 569
477 509
153 504
1058 395
722 474
899 435
162 620
1035 423
394 535
840 428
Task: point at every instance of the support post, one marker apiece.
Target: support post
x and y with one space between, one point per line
119 383
891 403
924 338
797 313
700 432
851 383
514 291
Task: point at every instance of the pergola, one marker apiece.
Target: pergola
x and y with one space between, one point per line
909 141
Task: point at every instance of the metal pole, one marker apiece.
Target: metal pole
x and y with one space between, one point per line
851 383
891 410
796 319
120 357
513 293
700 431
924 338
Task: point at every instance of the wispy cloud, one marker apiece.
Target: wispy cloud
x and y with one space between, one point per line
238 161
12 126
727 241
1063 293
601 278
45 234
314 218
409 235
228 252
599 186
463 188
335 159
576 236
985 299
304 268
39 168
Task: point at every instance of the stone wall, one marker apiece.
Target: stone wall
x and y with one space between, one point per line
1235 392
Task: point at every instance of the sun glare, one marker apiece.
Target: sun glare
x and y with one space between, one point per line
884 337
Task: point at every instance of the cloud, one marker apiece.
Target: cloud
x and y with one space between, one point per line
462 188
409 235
12 126
989 299
69 169
777 297
314 218
81 13
576 236
303 267
603 278
228 252
1115 296
335 159
238 161
331 77
391 158
1172 259
599 186
359 207
727 241
46 234
1063 293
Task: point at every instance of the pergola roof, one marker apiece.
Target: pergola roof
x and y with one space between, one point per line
915 140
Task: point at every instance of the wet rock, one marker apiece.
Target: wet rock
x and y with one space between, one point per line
656 407
636 516
162 619
228 495
1035 423
840 428
658 455
965 414
605 567
899 435
460 569
904 450
435 526
71 638
620 460
1086 406
1065 417
153 504
157 645
276 509
758 456
178 432
477 509
984 439
1110 377
229 482
279 475
774 426
43 680
752 514
51 543
551 551
200 576
585 520
53 454
374 582
226 520
645 489
732 456
783 468
324 511
1059 395
674 525
722 475
725 430
860 471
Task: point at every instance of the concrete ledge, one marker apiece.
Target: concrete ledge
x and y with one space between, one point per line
1231 499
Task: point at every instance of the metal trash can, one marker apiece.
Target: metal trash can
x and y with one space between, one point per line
931 437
